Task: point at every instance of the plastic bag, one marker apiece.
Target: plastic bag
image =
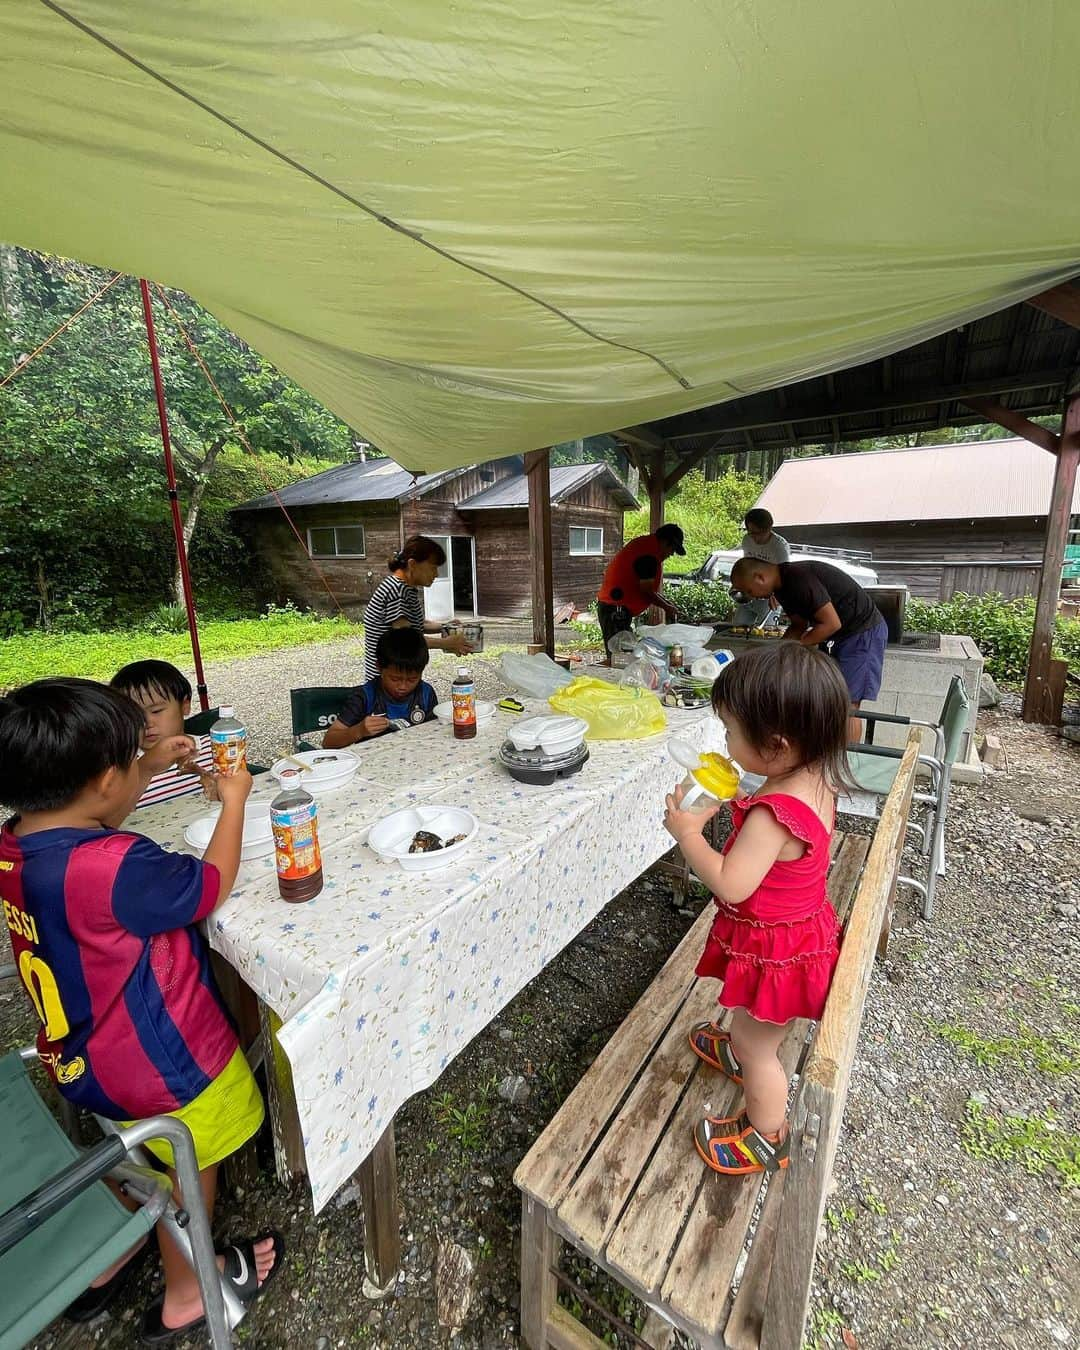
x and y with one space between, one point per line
614 712
679 634
535 676
641 673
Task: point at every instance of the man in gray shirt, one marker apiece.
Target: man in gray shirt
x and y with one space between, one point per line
763 543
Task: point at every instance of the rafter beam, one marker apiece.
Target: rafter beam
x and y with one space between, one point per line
640 436
688 462
1015 422
759 411
1063 302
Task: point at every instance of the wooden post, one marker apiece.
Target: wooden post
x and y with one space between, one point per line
539 1253
1038 701
656 491
378 1180
538 471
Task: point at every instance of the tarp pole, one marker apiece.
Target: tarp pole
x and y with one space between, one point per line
538 473
174 500
1038 693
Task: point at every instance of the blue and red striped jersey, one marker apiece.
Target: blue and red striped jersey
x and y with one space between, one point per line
101 925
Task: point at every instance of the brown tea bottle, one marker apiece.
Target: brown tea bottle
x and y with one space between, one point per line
294 817
463 698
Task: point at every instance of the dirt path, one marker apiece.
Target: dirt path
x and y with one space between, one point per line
948 1226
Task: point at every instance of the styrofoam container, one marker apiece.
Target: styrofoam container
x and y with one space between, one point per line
258 838
328 769
484 712
555 735
390 837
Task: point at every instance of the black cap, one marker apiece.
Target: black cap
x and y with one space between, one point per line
673 535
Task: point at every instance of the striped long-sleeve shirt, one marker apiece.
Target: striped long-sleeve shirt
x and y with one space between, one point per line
390 600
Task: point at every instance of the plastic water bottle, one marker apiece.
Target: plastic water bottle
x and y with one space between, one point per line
463 698
294 818
228 743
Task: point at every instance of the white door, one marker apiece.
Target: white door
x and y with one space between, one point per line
439 596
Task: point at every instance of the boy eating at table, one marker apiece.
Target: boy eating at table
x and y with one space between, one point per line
102 925
164 695
398 694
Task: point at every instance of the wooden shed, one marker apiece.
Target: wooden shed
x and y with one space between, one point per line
967 517
352 518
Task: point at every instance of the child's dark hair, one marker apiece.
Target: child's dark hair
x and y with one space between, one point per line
758 519
790 691
57 735
403 649
152 677
418 548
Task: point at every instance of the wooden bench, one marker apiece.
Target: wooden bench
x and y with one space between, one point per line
616 1174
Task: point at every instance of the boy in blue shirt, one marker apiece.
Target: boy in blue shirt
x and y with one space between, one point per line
396 694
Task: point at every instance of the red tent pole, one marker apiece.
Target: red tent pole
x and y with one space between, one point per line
174 500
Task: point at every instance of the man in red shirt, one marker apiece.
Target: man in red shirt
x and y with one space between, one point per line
633 579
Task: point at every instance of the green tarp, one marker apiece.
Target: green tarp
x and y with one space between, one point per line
473 227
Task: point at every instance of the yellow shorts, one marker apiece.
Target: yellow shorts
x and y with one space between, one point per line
222 1118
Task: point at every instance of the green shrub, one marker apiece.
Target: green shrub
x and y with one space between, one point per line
702 600
1000 628
710 513
167 619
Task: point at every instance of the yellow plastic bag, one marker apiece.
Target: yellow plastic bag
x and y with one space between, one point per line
614 712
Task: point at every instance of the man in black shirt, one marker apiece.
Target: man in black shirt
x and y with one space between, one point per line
825 605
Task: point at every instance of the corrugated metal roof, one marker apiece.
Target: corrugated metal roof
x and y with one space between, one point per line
970 481
378 480
511 493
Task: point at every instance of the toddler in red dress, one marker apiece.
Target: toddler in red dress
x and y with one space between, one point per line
774 942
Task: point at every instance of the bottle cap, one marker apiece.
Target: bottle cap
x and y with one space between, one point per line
287 775
225 710
463 670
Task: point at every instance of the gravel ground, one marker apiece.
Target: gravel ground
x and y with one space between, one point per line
944 1228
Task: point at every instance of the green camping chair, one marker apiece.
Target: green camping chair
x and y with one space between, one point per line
314 709
874 769
61 1226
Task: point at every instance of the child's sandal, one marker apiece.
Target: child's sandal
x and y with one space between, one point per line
731 1145
713 1045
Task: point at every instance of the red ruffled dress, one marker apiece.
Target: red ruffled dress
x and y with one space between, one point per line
776 952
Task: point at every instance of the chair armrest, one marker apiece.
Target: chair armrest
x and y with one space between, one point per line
880 717
52 1195
882 751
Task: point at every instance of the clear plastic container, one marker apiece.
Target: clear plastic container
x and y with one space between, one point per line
294 818
712 777
228 743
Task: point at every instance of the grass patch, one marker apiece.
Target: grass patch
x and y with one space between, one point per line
1035 1142
1056 1054
98 656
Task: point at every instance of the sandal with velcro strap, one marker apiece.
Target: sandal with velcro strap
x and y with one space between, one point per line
731 1145
713 1045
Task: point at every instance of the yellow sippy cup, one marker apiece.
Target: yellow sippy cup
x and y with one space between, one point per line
712 777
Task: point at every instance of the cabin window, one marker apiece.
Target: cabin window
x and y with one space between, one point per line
487 475
337 541
586 541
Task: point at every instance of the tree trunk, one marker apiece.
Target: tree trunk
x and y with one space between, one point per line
191 516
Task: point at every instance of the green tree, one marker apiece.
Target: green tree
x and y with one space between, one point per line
83 502
710 513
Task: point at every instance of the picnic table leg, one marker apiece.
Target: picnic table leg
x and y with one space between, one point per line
289 1161
378 1180
242 1167
539 1289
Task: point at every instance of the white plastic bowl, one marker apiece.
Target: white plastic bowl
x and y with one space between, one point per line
329 769
258 839
555 735
484 712
390 837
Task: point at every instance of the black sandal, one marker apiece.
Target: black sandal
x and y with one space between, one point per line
92 1302
240 1270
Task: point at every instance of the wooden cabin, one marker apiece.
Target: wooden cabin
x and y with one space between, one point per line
940 519
354 517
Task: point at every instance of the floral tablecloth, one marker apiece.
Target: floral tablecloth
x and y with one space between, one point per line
385 976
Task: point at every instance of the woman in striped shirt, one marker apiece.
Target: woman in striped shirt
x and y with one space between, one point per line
396 601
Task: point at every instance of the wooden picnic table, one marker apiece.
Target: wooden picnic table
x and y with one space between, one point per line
368 991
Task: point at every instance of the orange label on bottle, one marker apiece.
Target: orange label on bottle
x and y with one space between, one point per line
229 751
461 696
296 841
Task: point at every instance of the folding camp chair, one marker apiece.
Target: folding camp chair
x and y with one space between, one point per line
874 768
60 1224
313 710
